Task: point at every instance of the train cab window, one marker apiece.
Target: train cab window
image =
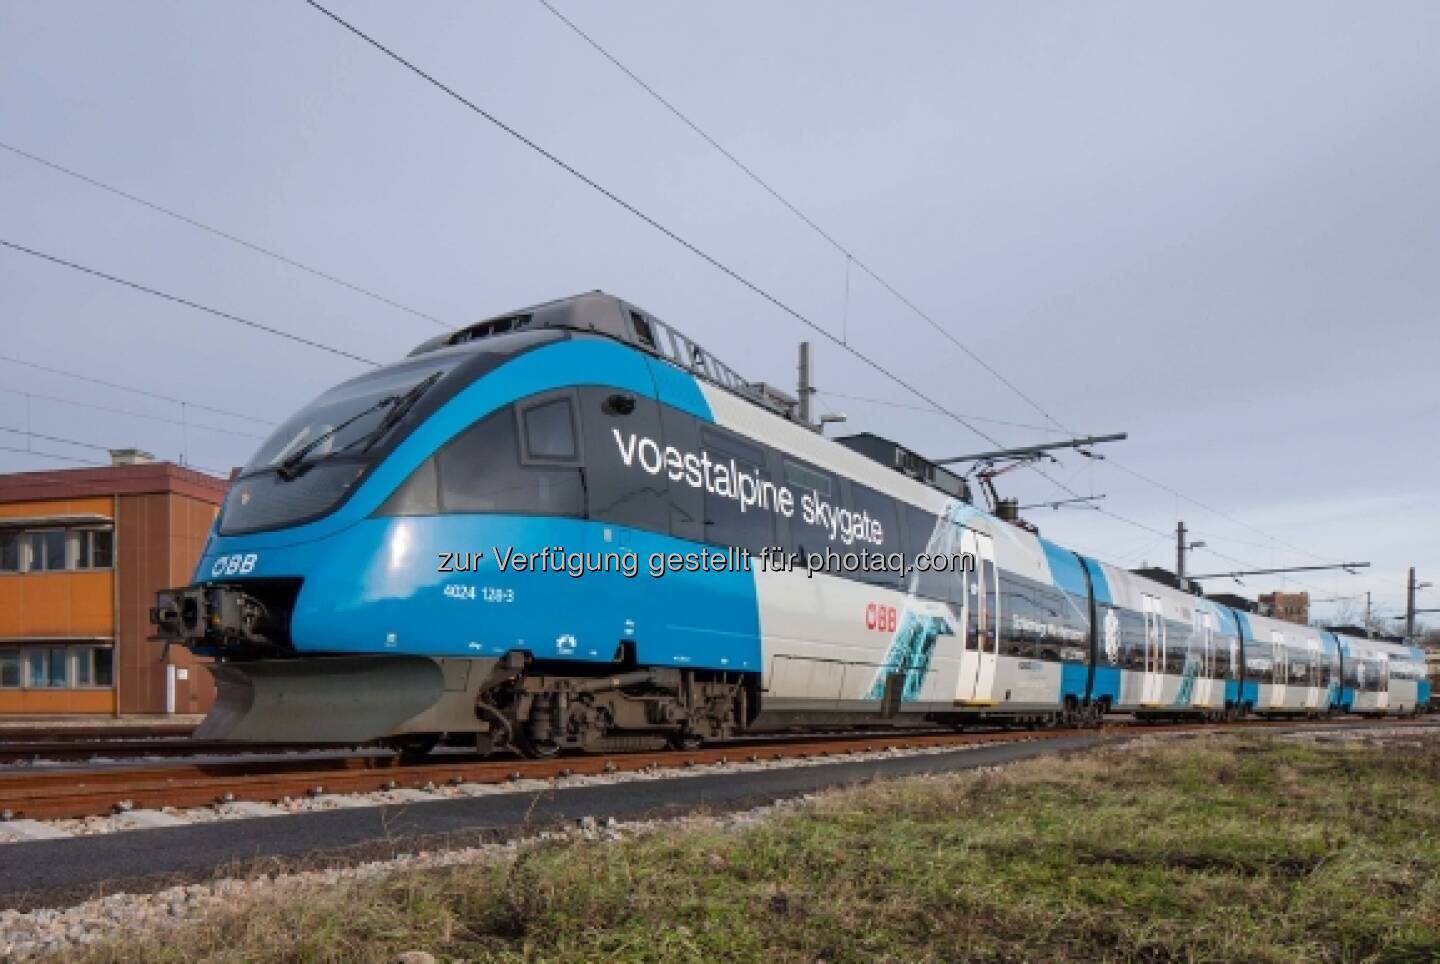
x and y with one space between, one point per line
480 470
550 431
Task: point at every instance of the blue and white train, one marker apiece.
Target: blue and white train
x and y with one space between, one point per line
570 526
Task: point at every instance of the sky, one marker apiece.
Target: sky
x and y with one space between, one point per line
1214 226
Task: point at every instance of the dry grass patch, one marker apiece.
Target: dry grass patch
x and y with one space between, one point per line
1222 848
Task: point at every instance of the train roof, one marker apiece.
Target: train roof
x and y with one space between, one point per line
604 314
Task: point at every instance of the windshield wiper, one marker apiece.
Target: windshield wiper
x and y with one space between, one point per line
403 404
291 467
295 465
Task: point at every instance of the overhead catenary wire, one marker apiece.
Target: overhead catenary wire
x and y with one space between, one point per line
279 333
640 214
873 273
706 256
765 185
129 413
233 239
51 370
884 403
61 440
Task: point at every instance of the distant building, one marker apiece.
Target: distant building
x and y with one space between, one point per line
82 552
1292 607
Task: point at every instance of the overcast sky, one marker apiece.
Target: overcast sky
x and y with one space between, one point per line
1215 226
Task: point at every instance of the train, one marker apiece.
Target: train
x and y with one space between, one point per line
571 527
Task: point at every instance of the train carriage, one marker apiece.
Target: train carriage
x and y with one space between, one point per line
1290 669
1162 652
1381 678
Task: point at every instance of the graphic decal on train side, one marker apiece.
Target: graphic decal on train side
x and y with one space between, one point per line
747 486
922 621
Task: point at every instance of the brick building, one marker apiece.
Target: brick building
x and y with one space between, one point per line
1292 607
82 552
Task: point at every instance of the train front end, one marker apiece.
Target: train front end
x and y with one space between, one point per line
313 597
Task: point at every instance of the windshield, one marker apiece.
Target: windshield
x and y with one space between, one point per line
343 418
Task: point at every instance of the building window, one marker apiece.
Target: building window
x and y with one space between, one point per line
96 549
57 667
57 550
102 666
10 551
47 550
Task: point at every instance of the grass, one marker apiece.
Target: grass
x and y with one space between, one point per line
1222 848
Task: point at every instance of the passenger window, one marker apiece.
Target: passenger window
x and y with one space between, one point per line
883 512
480 471
803 476
739 470
550 432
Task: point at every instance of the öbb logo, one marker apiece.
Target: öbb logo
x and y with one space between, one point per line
237 564
881 618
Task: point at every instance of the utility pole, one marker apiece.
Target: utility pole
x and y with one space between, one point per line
1180 552
1182 547
1369 626
807 388
1411 587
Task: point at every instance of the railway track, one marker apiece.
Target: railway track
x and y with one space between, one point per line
74 793
66 751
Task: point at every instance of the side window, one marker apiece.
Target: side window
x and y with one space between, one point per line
735 475
883 512
480 471
10 551
550 431
992 614
811 487
687 503
616 425
924 534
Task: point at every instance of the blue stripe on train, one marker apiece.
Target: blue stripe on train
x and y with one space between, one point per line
1107 684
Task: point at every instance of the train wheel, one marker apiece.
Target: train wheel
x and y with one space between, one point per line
685 740
537 749
416 746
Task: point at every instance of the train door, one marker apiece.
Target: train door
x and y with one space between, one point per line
976 682
1316 684
1279 668
1382 664
1205 627
1153 684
